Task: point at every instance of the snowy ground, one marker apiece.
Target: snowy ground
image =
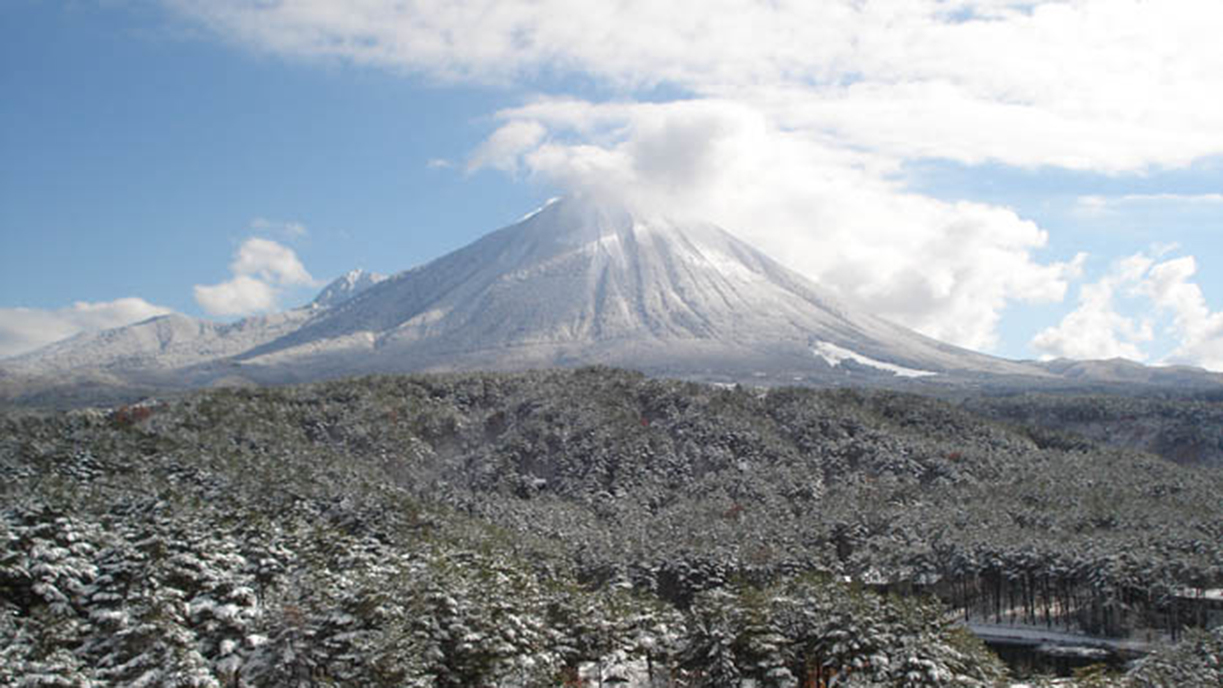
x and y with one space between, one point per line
836 355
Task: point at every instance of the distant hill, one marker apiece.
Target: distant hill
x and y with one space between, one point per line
1180 428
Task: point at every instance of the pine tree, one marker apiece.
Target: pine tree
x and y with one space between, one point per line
713 625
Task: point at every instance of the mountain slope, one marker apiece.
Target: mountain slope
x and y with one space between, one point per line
583 282
165 342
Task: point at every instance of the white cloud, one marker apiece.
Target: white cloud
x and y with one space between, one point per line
241 295
1193 199
262 269
270 262
26 329
1096 329
1088 84
1198 330
502 149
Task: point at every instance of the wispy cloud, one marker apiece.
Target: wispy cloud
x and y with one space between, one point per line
26 329
1193 199
1095 205
289 229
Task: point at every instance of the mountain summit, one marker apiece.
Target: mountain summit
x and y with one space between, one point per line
345 287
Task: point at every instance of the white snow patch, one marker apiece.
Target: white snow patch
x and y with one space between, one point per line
256 640
1082 652
1215 594
835 355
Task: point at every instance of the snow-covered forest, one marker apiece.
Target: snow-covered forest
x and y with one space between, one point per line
589 527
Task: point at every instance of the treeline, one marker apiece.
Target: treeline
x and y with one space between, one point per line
1111 596
134 559
159 597
551 527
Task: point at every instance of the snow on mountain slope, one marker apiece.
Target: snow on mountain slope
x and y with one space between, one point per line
176 341
835 356
162 343
581 282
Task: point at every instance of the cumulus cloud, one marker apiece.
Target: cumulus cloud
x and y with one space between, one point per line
1095 329
502 149
271 262
1197 329
1098 329
262 269
241 295
26 329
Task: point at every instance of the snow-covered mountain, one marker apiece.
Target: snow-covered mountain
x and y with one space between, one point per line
577 282
166 342
177 342
582 282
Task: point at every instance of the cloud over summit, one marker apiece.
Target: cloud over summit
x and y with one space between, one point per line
946 269
788 122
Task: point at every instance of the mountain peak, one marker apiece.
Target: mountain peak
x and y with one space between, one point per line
345 287
593 234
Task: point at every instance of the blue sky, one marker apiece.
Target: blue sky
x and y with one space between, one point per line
1030 179
138 154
